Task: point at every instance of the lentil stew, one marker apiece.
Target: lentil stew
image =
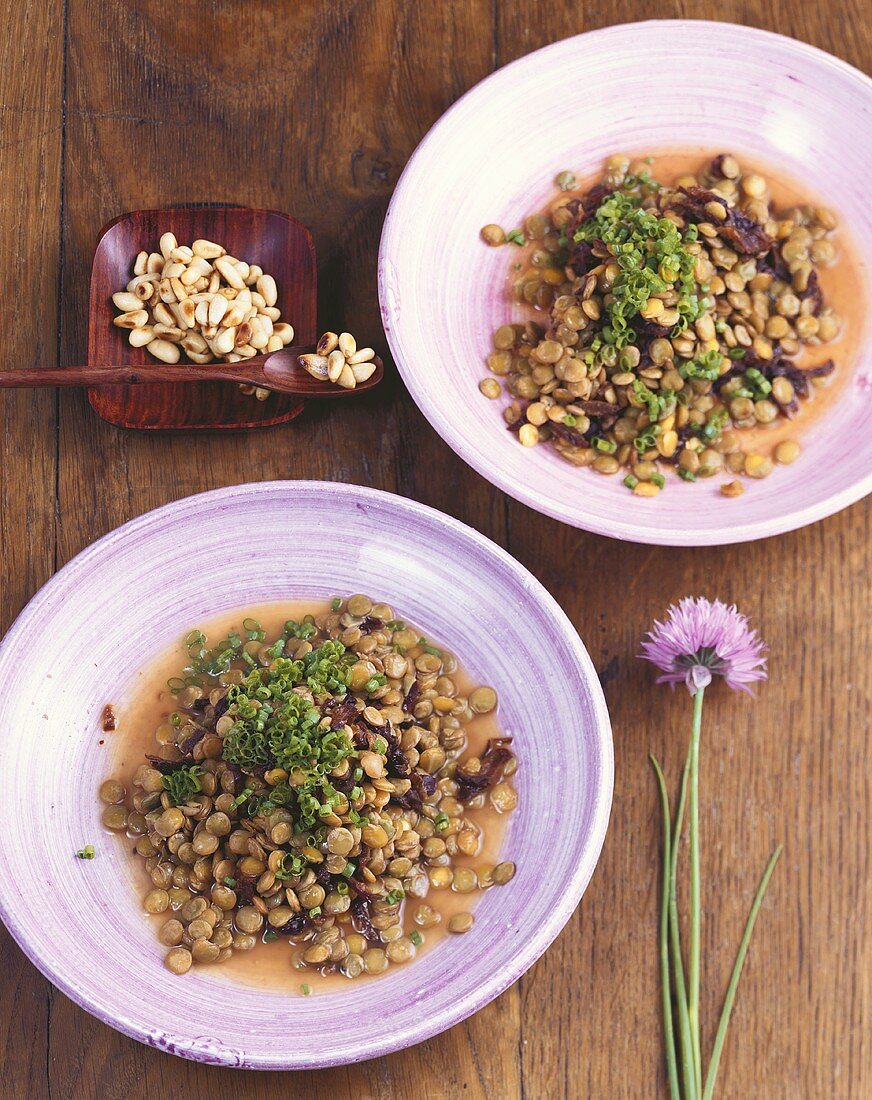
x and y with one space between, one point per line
668 320
351 816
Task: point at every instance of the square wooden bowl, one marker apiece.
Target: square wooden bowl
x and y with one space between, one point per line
276 242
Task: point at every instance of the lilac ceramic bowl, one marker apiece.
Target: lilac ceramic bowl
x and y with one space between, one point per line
493 158
82 641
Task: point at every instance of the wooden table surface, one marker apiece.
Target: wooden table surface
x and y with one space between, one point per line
313 108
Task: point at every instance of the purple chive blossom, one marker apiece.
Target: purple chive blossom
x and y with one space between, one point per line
701 639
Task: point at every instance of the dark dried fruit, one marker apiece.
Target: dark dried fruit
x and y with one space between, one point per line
745 235
494 758
108 720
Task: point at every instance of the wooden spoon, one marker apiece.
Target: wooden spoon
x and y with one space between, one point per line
280 371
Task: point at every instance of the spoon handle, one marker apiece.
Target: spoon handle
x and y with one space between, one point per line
124 376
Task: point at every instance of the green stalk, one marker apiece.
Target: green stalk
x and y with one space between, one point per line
668 1031
692 1087
736 974
693 976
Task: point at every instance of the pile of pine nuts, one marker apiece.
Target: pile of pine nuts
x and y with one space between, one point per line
202 301
338 359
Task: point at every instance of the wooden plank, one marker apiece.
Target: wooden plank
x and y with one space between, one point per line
311 109
30 203
789 769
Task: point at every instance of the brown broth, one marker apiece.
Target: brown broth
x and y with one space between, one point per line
842 284
148 703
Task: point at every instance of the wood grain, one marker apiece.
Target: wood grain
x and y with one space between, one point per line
313 108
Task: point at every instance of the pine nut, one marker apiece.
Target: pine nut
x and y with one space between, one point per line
164 350
207 249
347 344
139 337
363 371
363 355
266 287
228 272
125 301
335 365
274 344
225 341
216 309
346 379
285 333
167 243
134 318
139 264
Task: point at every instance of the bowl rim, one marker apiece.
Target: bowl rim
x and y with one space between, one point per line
532 947
632 531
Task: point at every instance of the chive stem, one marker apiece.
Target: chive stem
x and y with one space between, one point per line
688 1069
694 954
668 1030
730 997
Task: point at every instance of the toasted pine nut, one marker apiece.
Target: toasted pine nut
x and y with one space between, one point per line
285 332
139 264
139 337
201 313
272 312
229 273
196 268
167 243
335 365
216 309
316 365
185 311
234 316
164 350
165 291
194 342
207 249
346 380
274 344
266 287
363 355
199 356
259 335
179 289
155 264
174 270
144 291
328 342
169 332
125 301
347 344
162 314
183 254
134 318
243 334
363 371
225 341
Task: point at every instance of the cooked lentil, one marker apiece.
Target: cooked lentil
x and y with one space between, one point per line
314 786
672 314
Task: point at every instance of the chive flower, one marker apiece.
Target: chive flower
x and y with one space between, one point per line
701 639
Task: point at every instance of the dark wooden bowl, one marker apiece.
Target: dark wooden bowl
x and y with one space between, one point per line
278 243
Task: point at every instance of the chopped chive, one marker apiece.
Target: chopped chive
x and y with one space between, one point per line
657 479
348 870
335 604
86 853
432 650
515 236
606 446
441 821
305 989
316 912
270 937
229 880
416 937
631 481
686 475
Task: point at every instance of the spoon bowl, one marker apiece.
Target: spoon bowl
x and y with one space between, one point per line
278 243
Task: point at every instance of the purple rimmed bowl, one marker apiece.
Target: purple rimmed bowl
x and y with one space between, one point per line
493 157
112 610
